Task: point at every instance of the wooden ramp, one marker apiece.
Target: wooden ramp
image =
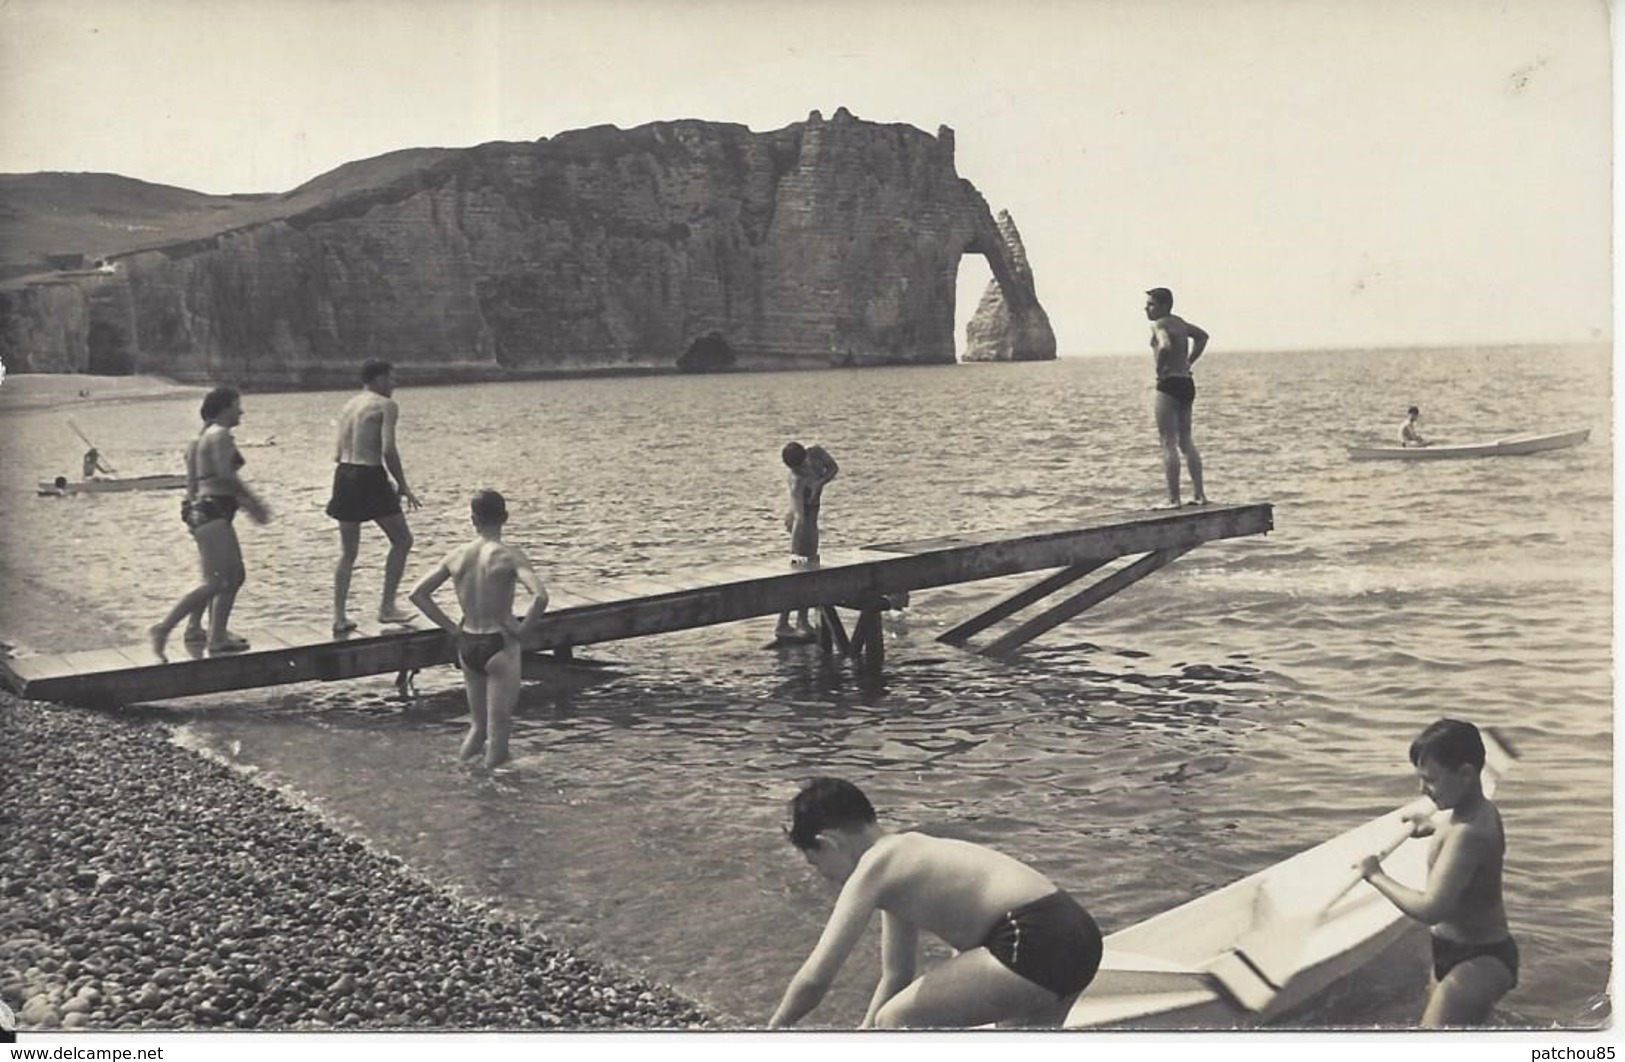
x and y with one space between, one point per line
869 580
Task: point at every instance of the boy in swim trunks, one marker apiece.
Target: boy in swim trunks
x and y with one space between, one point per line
811 468
485 572
1025 948
1177 344
1475 960
362 491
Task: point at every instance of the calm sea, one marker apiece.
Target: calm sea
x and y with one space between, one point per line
1251 700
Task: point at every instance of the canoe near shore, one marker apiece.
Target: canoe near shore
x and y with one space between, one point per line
1261 948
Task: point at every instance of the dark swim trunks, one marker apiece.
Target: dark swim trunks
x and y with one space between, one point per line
195 512
1448 954
804 534
1052 942
362 493
1180 387
474 651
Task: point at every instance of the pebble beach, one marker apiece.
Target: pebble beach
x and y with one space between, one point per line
147 887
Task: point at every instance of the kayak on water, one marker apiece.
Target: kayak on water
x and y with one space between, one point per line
63 485
1511 446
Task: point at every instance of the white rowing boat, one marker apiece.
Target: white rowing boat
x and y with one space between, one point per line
1202 964
1512 445
63 485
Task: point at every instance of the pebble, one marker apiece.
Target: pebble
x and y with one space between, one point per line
151 888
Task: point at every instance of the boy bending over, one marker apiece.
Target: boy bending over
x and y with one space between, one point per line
1025 948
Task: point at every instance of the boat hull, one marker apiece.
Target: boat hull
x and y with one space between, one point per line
111 486
1263 949
1511 446
1198 1006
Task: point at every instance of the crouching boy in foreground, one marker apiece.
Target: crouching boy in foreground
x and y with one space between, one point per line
1025 948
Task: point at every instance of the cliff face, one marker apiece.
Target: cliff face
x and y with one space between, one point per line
680 245
1010 329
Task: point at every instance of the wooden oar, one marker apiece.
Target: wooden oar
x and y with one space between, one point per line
1268 956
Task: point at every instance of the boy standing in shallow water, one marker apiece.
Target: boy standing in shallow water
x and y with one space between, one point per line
1025 948
485 572
1475 960
811 468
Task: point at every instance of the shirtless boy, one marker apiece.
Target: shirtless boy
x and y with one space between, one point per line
362 491
1176 344
485 572
1410 432
1025 948
811 469
1475 961
94 465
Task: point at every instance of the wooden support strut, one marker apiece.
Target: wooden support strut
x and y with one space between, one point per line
869 641
1016 602
831 632
1115 583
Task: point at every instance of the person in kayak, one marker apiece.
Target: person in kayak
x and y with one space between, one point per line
1176 344
1410 432
1025 949
1475 960
94 465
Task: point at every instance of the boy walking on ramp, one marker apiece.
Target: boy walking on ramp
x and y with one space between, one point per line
1026 949
366 457
485 572
1475 960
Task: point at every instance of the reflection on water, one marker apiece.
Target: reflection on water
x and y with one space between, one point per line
1242 704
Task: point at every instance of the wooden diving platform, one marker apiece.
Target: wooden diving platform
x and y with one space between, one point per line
868 580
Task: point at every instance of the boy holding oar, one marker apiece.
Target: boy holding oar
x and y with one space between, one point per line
1025 949
1475 960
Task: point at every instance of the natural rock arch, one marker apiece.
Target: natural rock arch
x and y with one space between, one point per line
1009 324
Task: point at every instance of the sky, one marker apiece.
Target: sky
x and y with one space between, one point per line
1305 174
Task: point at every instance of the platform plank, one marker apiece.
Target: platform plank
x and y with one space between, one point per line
589 614
39 666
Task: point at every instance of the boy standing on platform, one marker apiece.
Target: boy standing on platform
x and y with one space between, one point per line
1176 344
485 572
1475 960
811 469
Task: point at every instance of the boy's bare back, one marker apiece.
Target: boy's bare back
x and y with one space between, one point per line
366 429
485 573
952 889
